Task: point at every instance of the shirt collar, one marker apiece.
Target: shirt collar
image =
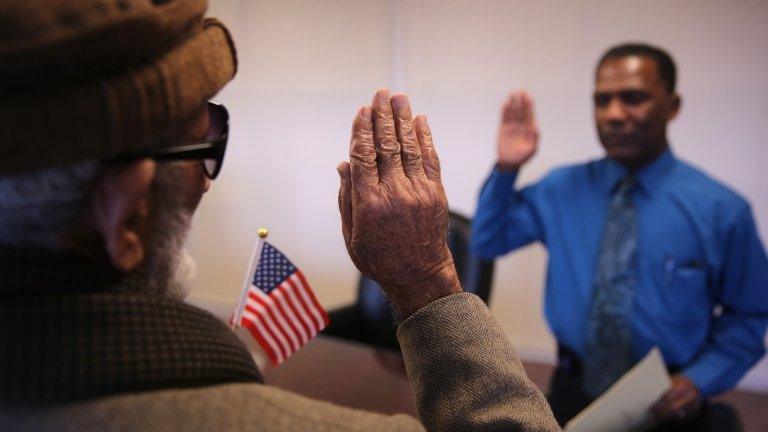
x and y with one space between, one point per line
649 178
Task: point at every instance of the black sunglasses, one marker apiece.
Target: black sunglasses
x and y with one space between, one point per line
210 150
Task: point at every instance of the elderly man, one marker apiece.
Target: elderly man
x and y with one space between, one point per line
109 145
644 249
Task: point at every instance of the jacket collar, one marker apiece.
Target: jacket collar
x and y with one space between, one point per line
63 344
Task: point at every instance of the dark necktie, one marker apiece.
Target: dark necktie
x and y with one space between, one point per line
609 327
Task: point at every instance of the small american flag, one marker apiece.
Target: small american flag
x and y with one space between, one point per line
280 310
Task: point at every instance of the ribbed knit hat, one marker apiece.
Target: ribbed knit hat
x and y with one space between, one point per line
90 79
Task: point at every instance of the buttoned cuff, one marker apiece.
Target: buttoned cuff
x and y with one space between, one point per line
714 373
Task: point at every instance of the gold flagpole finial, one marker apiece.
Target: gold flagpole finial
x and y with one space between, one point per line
263 233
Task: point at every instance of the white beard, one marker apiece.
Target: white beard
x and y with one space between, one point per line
183 277
169 269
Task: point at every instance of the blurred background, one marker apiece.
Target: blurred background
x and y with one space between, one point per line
306 66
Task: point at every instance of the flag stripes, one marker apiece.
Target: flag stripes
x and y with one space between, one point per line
286 318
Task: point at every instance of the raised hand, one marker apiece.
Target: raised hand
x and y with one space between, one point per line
518 132
394 211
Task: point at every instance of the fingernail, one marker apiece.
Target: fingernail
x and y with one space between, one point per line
382 94
366 113
400 100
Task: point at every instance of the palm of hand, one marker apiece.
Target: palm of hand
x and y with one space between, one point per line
518 132
517 142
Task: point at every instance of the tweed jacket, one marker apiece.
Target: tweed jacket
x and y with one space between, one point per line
111 359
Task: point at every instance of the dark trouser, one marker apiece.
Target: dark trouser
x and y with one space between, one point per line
566 396
567 399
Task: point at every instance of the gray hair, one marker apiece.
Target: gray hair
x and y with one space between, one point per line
36 208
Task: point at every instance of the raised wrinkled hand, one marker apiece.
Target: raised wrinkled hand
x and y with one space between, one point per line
394 211
518 132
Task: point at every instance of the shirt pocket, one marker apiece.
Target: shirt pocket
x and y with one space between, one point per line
686 290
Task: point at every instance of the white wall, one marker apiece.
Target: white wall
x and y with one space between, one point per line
305 67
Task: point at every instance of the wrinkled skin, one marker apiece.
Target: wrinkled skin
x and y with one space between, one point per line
518 132
682 400
394 211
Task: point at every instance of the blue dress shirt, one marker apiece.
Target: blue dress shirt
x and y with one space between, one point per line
702 286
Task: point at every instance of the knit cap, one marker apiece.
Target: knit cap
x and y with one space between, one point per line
92 79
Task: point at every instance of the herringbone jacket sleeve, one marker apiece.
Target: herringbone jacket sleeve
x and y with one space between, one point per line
465 373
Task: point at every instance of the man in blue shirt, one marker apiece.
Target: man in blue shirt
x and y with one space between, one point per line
644 249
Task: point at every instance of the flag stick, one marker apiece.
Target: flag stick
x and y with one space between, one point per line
254 265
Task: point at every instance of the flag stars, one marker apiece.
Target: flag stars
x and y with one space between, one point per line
273 269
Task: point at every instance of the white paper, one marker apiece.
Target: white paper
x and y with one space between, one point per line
624 406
